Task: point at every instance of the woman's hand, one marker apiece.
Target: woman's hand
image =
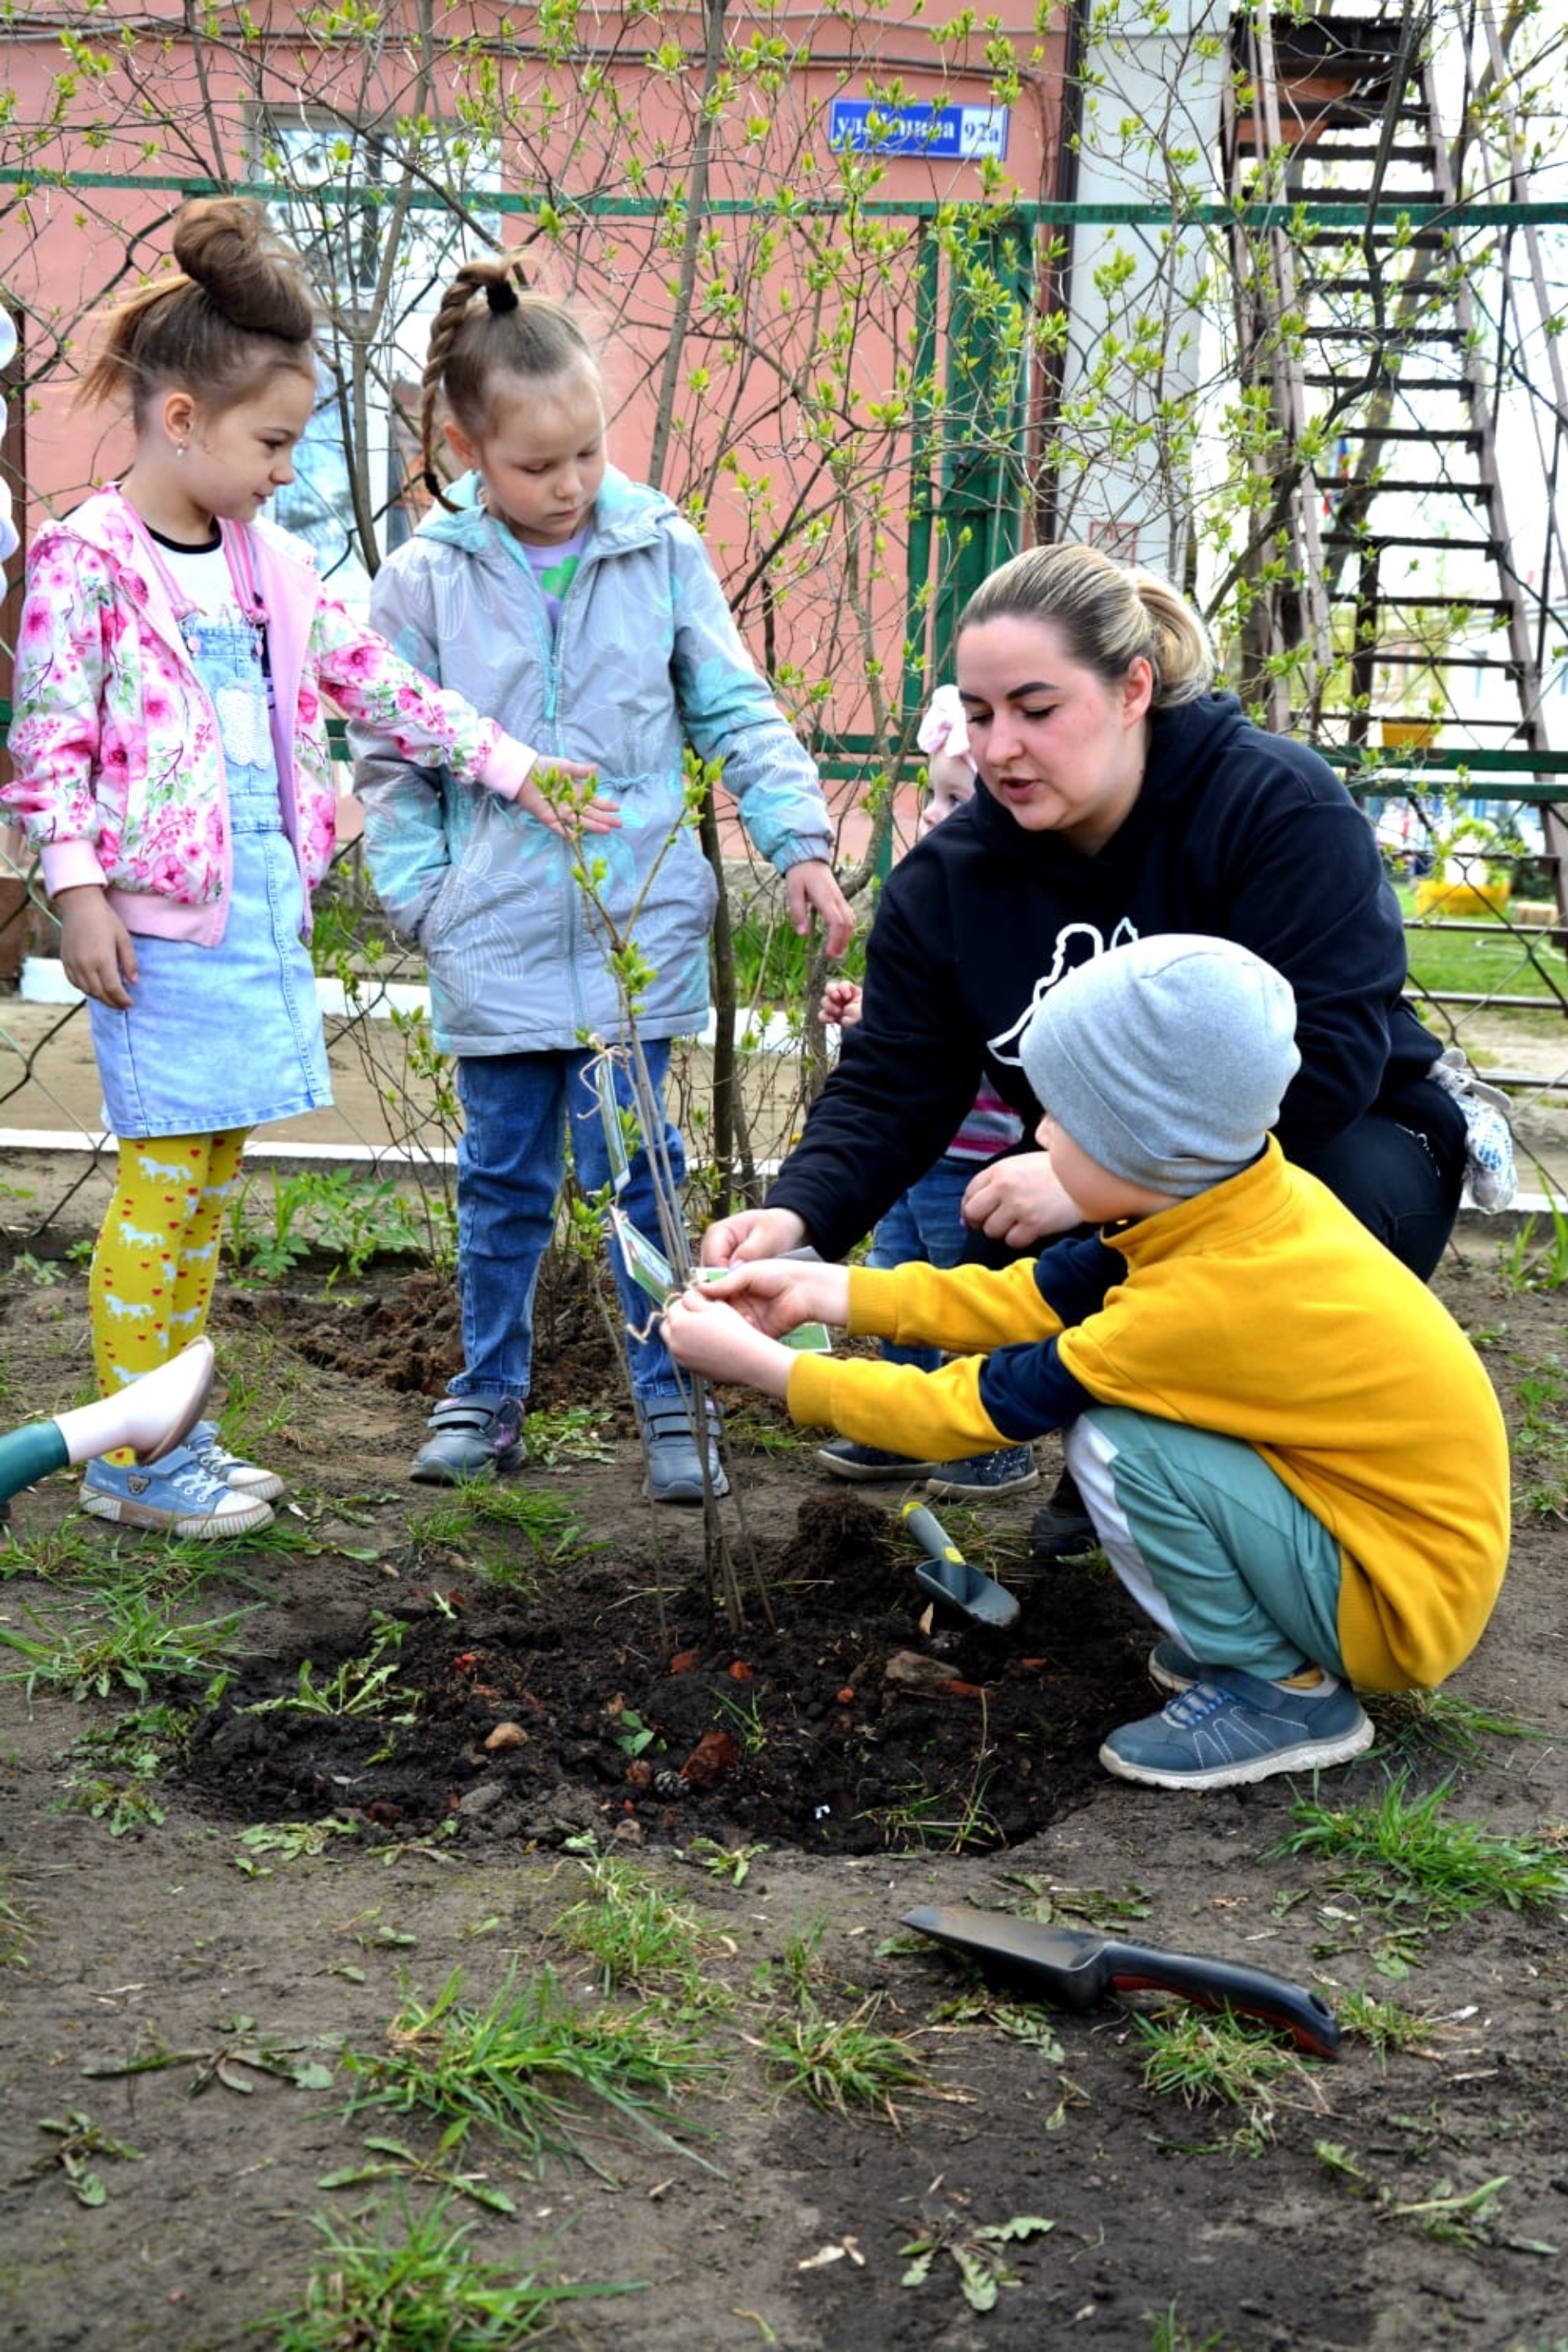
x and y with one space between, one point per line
1016 1200
812 889
752 1233
97 952
839 1007
775 1294
565 807
709 1337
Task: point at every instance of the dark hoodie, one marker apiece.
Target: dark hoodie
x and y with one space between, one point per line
1237 834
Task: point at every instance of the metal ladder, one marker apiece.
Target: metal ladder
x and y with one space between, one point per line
1395 610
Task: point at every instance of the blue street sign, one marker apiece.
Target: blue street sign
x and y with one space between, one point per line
960 133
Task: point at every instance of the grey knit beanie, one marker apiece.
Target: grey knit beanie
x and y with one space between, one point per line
1165 1060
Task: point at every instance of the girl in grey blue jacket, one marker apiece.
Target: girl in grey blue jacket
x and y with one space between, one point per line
581 611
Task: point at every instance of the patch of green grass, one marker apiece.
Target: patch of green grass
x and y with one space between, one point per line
135 1643
537 2069
1221 2061
412 2284
573 1432
360 1686
1465 2218
730 1863
1416 1724
942 1821
1536 1258
1491 961
751 1429
548 1526
635 1931
844 2065
1384 2025
1168 2332
1399 1855
14 1924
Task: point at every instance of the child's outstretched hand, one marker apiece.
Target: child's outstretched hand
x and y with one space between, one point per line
97 954
553 793
840 1005
774 1294
709 1337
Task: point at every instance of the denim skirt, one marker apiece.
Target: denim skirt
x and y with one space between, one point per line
229 1035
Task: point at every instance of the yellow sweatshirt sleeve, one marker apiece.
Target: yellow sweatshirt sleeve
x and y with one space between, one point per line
929 1416
967 1310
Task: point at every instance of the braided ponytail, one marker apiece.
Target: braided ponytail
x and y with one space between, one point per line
490 323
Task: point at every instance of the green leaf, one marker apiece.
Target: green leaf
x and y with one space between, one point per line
980 2279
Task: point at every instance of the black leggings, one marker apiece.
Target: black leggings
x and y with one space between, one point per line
1400 1170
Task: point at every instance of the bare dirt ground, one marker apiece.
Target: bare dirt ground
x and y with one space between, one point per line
1412 2198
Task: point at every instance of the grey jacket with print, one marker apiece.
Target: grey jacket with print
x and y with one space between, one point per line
647 660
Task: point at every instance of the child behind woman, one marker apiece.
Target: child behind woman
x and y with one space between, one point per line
578 607
927 1223
172 766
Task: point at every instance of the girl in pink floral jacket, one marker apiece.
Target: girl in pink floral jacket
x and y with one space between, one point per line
171 768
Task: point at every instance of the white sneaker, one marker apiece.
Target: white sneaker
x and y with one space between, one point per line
175 1497
231 1470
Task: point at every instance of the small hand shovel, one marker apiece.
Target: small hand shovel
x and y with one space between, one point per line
947 1576
1075 1970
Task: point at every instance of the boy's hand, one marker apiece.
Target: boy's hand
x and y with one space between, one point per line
96 952
840 1005
709 1337
1019 1201
811 887
561 808
777 1293
752 1233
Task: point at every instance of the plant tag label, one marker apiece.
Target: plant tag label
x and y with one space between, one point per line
615 1134
649 1267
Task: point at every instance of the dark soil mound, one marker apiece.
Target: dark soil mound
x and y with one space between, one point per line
847 1727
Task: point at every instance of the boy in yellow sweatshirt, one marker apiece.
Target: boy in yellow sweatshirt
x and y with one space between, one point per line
1291 1454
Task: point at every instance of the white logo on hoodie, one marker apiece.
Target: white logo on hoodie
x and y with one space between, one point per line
1076 943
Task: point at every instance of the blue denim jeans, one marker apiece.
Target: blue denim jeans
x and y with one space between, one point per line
517 1112
925 1226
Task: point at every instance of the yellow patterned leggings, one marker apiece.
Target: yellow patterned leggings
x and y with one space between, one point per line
155 1260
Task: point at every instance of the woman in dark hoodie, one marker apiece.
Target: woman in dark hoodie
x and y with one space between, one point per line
1122 798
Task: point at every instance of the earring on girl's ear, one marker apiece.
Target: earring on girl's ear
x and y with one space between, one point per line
180 448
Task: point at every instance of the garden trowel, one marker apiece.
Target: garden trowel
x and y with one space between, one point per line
947 1576
1075 1970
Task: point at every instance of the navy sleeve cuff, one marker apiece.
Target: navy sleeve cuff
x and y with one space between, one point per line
1026 1390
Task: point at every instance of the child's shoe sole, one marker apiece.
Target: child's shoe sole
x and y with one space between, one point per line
127 1512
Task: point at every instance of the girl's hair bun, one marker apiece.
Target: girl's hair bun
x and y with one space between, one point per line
227 246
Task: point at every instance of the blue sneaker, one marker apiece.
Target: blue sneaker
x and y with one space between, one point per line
229 1469
977 1478
870 1464
1173 1668
175 1497
471 1437
1230 1727
674 1466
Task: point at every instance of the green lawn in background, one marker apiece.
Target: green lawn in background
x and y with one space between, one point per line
1489 961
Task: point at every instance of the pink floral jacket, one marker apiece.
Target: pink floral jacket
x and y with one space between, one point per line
119 767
